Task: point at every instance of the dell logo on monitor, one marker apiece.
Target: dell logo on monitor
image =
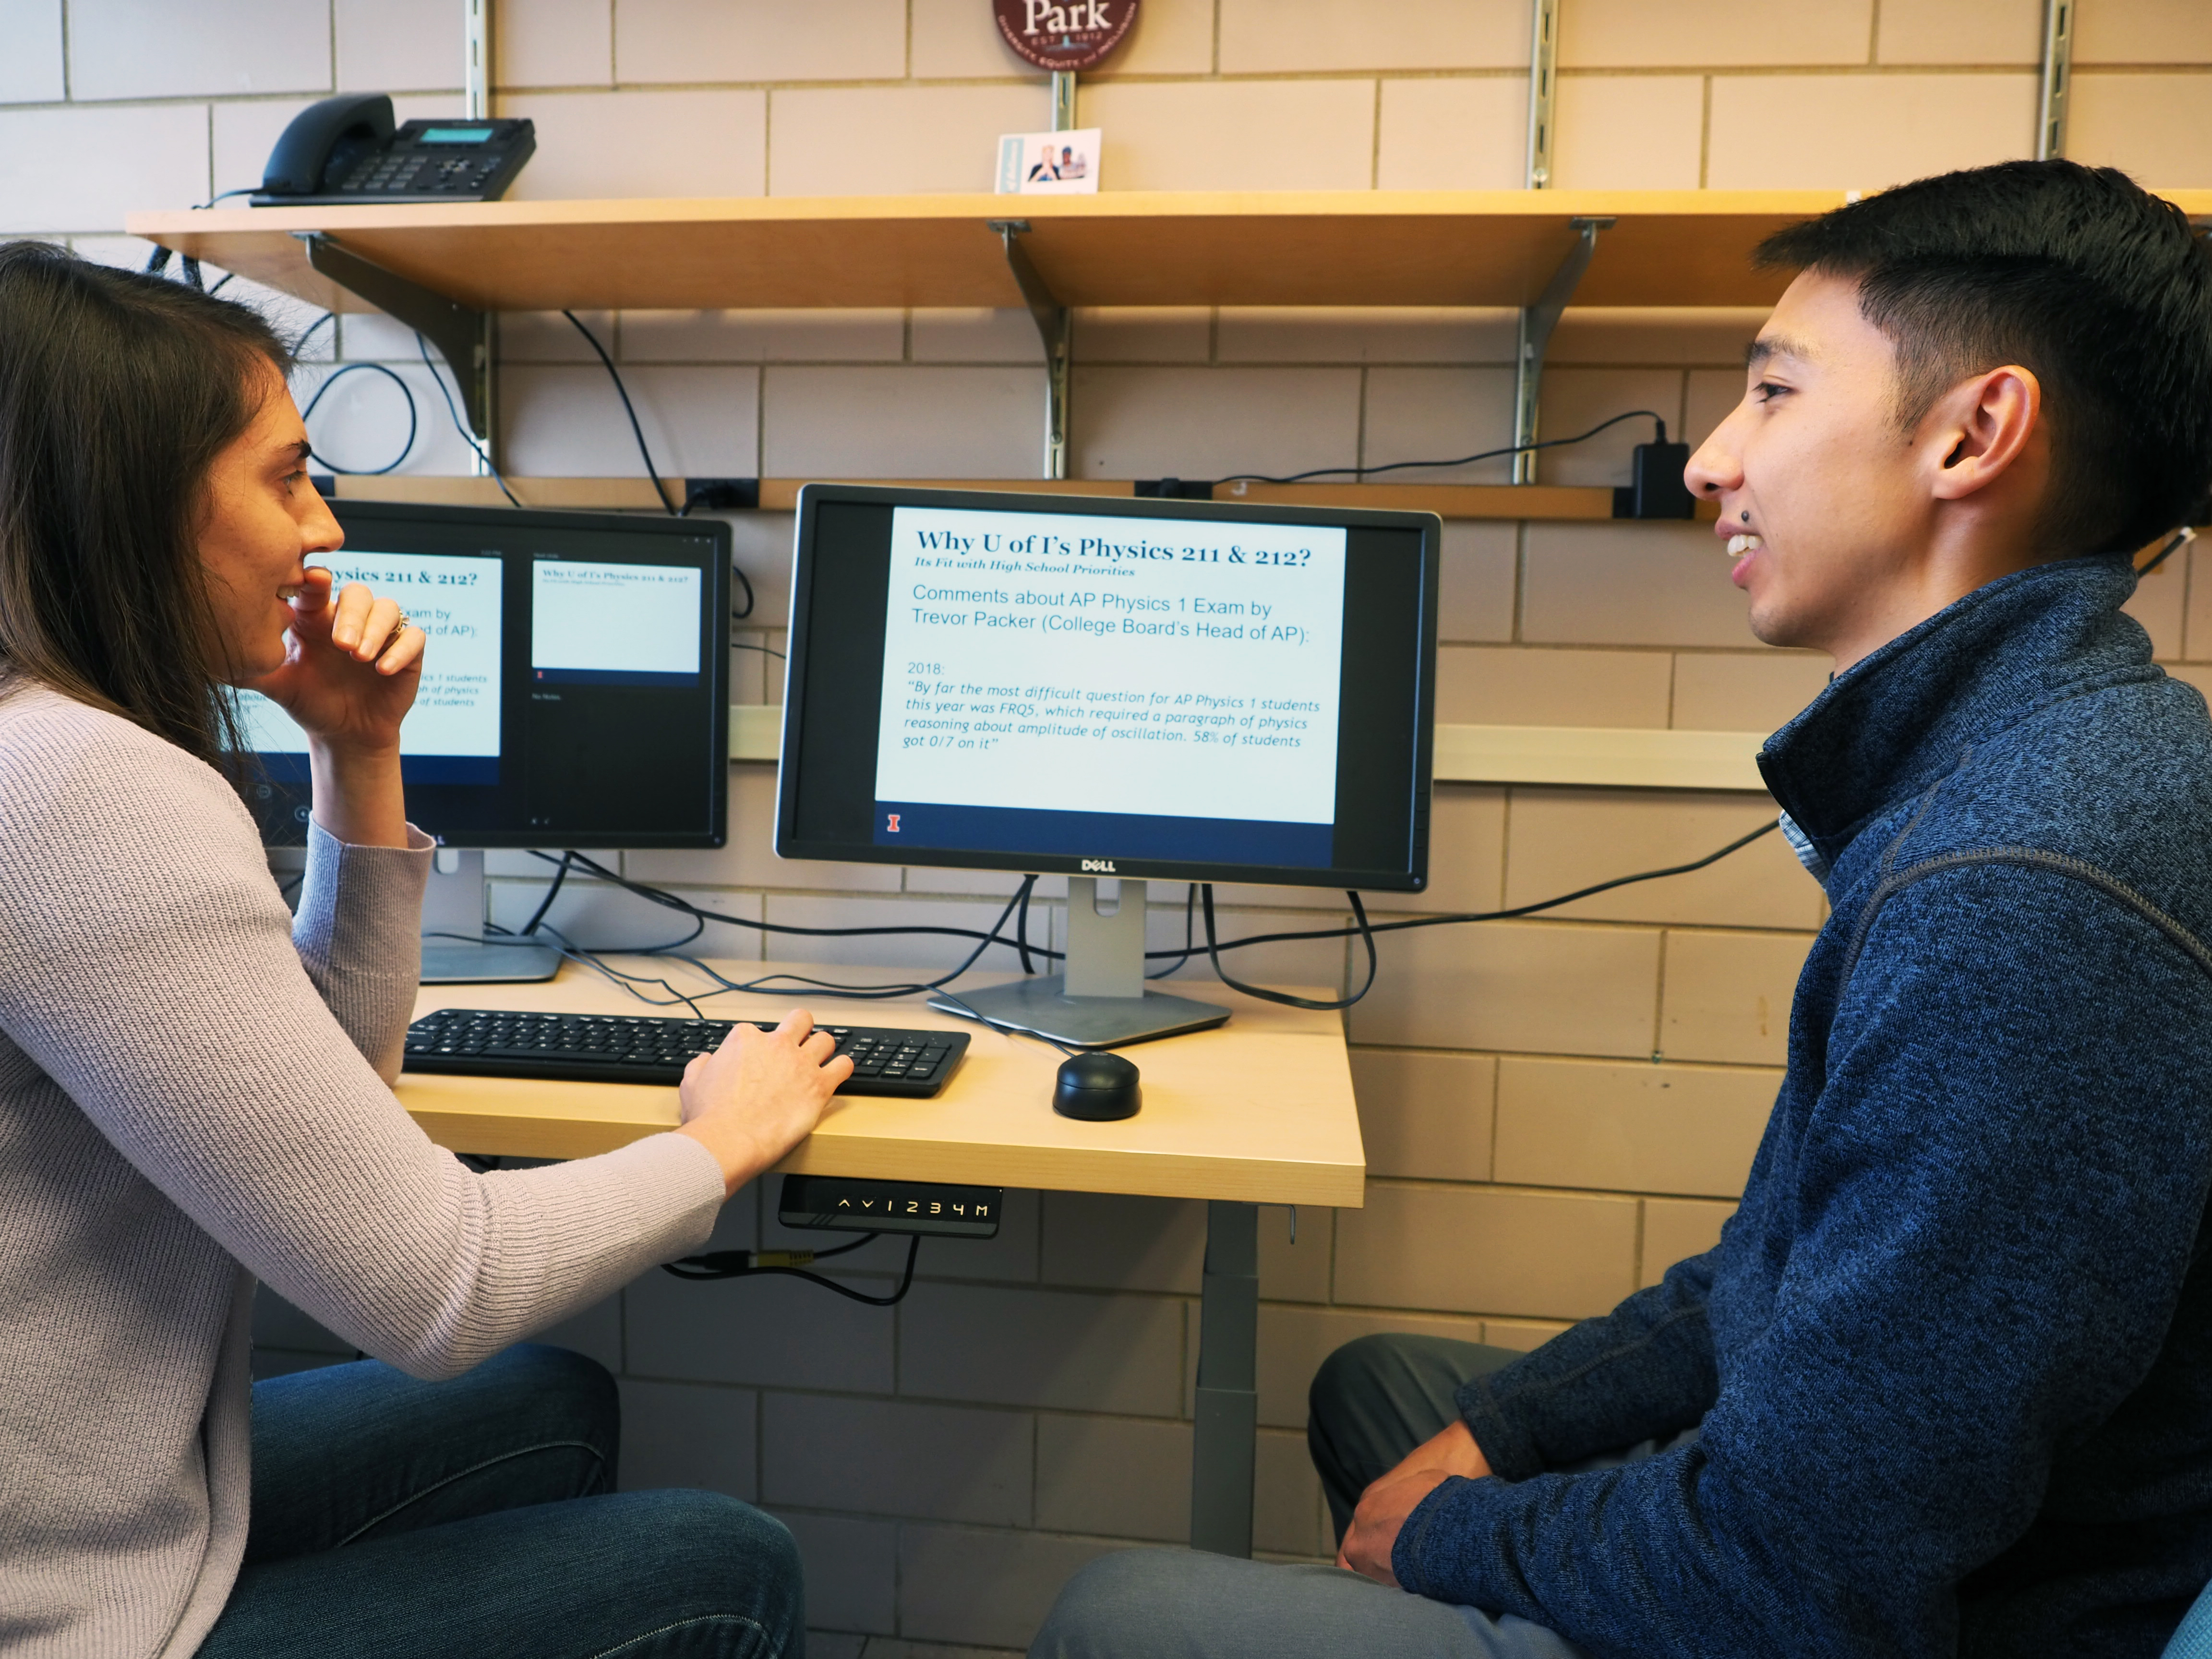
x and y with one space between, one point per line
1097 866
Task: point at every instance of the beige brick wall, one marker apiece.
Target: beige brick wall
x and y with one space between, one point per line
1555 1110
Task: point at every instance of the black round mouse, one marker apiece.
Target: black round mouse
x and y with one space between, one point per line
1097 1086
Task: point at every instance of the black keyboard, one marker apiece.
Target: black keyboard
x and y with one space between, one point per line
628 1049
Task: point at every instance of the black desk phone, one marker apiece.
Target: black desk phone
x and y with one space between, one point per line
345 149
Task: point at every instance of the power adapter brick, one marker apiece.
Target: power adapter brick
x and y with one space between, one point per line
1655 489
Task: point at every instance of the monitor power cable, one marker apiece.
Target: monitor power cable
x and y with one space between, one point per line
1358 472
629 409
1363 929
645 454
468 437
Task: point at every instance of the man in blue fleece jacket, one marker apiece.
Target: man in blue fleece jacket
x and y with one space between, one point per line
1945 1386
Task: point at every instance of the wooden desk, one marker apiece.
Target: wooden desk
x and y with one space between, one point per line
1258 1112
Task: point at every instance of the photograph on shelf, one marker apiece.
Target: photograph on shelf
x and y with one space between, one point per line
1049 163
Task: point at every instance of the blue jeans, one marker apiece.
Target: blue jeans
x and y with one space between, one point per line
476 1518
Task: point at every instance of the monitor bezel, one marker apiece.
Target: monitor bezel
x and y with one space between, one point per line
789 844
506 520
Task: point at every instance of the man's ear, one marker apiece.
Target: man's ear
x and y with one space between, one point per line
1978 430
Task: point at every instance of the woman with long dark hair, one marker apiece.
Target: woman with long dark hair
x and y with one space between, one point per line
195 1091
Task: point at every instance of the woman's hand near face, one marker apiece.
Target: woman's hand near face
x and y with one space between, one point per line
349 678
760 1094
350 673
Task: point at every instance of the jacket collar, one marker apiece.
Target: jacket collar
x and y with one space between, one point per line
1906 715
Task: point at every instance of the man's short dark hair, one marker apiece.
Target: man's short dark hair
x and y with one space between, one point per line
2078 274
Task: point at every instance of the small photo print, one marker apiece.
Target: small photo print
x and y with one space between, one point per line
1049 163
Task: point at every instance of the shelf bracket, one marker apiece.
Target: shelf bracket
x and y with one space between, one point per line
1537 322
1056 327
462 335
2058 77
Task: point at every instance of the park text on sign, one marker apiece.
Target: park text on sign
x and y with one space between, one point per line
1064 34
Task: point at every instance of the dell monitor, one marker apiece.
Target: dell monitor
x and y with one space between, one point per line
575 693
1134 689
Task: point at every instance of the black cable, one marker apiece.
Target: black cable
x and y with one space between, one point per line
414 424
668 901
699 917
1456 917
636 431
552 892
1189 901
725 1264
1007 1026
732 1264
1021 928
571 952
766 651
2179 539
467 437
743 580
1464 461
188 266
1366 934
1364 930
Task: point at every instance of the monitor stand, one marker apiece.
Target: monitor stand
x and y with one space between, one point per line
1101 1001
453 924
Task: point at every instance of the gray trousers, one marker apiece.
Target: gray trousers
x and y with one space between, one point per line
1372 1401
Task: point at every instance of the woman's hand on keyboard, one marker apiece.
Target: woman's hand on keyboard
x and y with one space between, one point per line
761 1093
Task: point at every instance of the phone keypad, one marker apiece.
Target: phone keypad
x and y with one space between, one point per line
420 172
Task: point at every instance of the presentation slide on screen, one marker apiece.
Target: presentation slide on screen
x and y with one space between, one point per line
625 624
451 734
1050 664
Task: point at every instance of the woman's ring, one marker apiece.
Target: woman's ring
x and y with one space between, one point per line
400 627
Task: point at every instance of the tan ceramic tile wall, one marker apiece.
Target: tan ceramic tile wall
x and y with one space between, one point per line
1465 133
1980 32
1554 1111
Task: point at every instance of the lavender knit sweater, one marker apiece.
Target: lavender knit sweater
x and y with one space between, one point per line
194 1095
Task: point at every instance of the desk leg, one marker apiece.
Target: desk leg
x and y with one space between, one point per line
1228 1408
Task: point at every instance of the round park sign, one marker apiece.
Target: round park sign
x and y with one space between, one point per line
1064 34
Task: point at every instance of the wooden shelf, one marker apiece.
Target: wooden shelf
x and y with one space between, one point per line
781 495
1118 248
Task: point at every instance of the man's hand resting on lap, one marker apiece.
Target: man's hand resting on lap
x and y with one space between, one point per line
1384 1505
760 1094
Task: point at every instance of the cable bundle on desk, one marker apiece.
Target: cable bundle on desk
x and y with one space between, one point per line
1017 909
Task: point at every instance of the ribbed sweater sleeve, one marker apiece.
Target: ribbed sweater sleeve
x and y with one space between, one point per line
148 965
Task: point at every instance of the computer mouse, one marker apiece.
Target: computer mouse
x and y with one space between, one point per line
1097 1086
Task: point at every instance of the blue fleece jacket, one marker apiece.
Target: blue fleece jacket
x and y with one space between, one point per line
1952 1355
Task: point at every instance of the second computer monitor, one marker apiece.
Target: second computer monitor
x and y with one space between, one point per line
576 684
